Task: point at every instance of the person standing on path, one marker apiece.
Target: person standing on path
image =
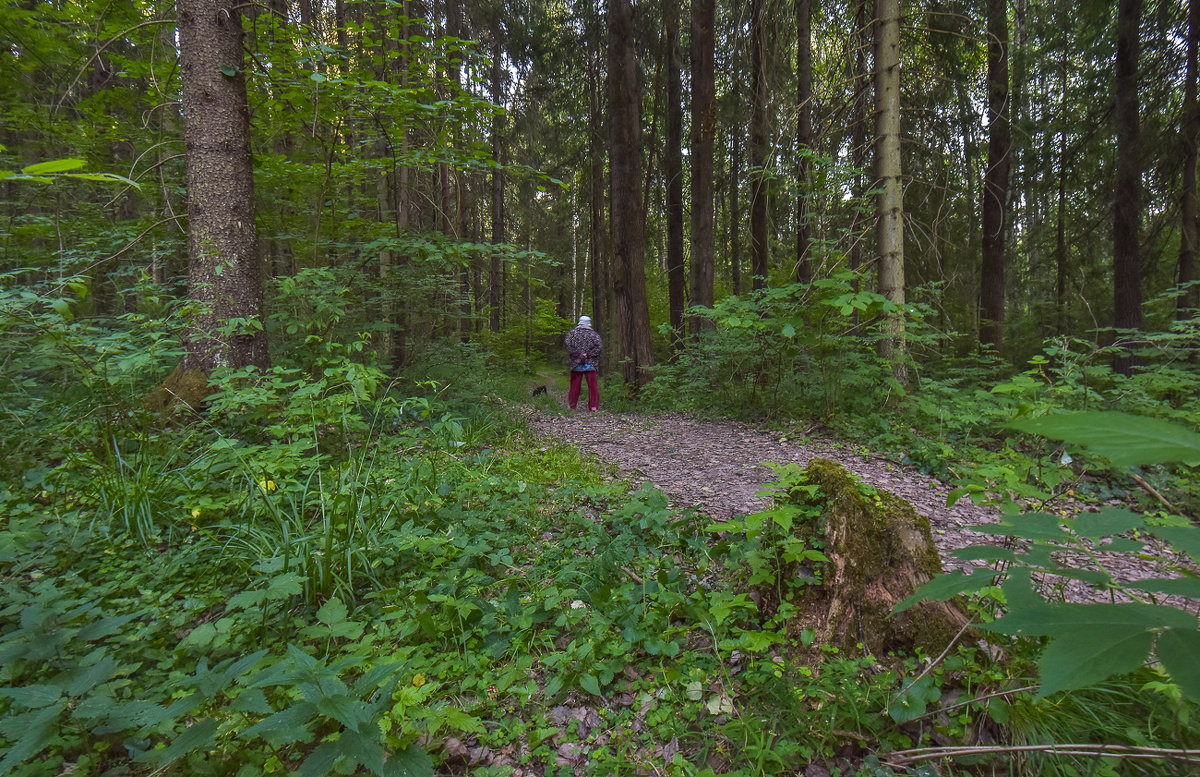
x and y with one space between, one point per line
583 350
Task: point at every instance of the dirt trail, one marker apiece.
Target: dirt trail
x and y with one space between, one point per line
716 467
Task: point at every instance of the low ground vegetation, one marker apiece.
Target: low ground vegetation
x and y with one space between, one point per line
330 570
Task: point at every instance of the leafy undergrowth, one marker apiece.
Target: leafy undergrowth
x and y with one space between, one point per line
414 591
327 571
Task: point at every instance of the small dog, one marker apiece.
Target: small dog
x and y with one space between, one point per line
539 390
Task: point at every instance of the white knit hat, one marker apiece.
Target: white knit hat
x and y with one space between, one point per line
585 321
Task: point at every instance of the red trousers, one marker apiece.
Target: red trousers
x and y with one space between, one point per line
593 389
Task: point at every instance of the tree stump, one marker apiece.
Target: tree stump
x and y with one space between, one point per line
880 550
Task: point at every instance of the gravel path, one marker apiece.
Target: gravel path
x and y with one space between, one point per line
717 467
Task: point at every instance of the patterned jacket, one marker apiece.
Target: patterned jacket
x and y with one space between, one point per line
579 341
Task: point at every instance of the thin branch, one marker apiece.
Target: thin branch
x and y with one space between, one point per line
100 51
905 757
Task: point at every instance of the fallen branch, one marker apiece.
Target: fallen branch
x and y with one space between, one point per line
916 754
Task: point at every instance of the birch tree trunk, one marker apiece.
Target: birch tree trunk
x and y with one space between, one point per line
890 204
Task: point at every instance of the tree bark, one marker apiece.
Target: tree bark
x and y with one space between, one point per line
890 203
735 210
804 140
224 276
759 241
704 131
673 170
1190 299
1127 194
632 311
859 132
995 182
495 279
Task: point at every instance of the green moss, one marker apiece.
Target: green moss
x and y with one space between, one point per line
880 550
184 389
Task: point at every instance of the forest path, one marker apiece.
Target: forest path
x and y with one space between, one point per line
717 466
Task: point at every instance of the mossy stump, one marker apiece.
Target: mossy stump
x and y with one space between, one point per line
880 550
184 389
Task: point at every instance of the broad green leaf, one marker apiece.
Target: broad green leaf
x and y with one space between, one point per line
252 700
320 761
1066 620
1123 439
53 166
33 731
1091 655
947 586
590 684
412 761
105 626
1029 526
198 736
82 679
984 553
246 599
1178 650
1110 520
104 177
229 70
344 709
318 77
788 331
1172 586
284 727
284 586
62 308
33 696
914 700
1185 539
332 612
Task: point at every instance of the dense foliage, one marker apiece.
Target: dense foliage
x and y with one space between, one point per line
358 559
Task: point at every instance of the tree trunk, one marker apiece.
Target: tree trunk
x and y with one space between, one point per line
1190 299
735 210
759 241
632 310
673 169
859 133
224 277
880 551
704 131
1060 226
995 182
1127 194
890 204
804 140
495 279
601 288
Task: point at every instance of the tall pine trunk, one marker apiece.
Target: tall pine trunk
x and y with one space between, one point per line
704 131
804 140
995 181
632 310
760 244
676 272
224 273
495 273
1127 194
1190 299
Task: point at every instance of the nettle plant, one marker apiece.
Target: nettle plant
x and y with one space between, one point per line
1087 643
